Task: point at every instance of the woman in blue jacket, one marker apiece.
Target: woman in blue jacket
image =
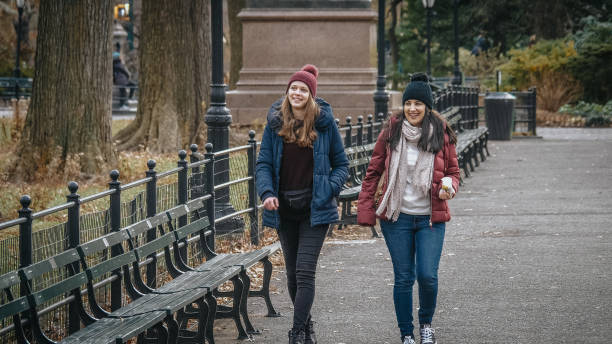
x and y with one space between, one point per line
300 170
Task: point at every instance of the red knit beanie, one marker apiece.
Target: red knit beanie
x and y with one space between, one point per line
308 75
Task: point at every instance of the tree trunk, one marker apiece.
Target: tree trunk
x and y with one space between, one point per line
235 32
68 125
174 77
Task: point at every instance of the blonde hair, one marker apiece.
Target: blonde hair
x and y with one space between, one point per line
299 131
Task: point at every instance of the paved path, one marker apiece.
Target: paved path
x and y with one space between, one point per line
527 256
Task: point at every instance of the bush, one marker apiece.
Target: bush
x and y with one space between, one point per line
545 65
592 64
484 66
595 115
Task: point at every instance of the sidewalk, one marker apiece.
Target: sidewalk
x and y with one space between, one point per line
527 257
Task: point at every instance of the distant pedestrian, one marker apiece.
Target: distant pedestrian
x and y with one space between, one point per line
300 170
121 77
412 173
482 45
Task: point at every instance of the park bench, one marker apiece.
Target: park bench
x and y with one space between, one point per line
358 150
159 314
359 159
8 86
471 144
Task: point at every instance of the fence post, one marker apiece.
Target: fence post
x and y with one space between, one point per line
531 126
436 101
25 237
182 196
151 211
370 133
469 91
196 178
252 155
381 119
447 98
115 226
360 130
348 136
209 171
73 229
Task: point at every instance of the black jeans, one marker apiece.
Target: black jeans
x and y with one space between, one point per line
301 245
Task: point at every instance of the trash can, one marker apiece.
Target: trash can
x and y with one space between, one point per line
499 110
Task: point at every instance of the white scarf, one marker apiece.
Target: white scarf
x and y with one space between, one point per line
398 172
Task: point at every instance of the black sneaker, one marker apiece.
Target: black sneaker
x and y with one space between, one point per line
408 340
309 333
296 336
428 334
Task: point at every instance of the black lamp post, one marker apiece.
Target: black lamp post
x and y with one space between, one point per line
381 97
457 76
428 4
20 4
218 119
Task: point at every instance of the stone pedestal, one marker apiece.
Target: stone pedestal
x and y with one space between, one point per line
278 41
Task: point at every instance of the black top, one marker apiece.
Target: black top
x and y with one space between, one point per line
297 167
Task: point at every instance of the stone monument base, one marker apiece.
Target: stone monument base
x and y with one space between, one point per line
278 42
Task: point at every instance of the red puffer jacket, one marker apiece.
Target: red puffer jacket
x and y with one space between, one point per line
445 165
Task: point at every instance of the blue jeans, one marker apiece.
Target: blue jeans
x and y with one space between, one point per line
415 250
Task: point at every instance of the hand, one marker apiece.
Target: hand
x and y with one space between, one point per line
446 195
271 203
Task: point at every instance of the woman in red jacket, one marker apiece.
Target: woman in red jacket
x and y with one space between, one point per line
415 157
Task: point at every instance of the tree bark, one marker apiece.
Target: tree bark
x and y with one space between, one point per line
235 32
174 77
68 124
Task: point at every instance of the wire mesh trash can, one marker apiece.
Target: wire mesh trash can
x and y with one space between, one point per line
499 110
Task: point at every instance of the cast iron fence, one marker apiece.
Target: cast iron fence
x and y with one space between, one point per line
125 204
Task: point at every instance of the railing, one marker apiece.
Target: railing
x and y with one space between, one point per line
360 133
524 121
190 180
125 204
463 97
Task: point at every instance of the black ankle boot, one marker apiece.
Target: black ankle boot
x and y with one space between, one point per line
296 336
309 333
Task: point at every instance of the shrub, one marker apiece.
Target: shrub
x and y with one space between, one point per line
545 65
592 64
595 115
484 66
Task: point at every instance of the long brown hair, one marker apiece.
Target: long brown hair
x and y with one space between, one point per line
299 131
428 143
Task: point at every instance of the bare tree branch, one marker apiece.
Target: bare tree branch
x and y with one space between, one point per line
7 8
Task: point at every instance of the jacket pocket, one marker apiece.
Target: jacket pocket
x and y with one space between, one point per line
323 192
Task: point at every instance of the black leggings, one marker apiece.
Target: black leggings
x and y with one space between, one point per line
301 245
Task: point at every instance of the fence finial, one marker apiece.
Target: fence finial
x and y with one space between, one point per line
193 148
114 174
182 154
25 201
208 147
151 164
73 187
252 134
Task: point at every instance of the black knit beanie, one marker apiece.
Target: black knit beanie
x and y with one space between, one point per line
419 89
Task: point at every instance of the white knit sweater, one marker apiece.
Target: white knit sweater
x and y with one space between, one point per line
414 202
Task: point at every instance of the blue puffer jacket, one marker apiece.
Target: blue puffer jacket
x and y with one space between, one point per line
330 166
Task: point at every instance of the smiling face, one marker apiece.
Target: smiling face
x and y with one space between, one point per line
298 95
414 111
